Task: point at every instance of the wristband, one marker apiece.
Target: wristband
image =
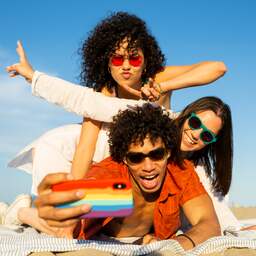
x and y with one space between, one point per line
189 238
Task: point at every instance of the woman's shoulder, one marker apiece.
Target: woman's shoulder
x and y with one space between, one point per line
108 92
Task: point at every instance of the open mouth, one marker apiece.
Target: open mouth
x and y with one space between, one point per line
149 181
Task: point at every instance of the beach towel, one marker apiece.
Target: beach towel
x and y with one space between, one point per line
23 241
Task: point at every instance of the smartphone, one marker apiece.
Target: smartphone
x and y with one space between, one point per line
109 197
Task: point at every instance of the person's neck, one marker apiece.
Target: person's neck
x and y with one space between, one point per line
122 93
186 154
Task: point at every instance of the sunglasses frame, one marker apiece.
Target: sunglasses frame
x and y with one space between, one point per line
143 156
205 129
126 57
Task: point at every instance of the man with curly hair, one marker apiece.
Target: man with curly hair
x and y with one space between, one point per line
143 146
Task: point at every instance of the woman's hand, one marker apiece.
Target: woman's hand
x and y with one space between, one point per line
22 68
47 200
151 91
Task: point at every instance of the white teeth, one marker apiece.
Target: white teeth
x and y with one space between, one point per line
189 140
149 177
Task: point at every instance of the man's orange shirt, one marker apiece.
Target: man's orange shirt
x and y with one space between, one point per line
180 186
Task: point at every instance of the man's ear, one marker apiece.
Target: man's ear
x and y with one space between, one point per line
168 154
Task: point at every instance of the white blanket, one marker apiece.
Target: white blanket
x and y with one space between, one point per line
22 242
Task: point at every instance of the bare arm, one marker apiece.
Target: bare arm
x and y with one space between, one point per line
87 144
85 149
201 215
77 99
178 77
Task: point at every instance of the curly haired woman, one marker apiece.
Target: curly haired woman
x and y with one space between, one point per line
120 58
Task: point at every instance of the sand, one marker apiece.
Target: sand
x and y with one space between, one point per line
244 212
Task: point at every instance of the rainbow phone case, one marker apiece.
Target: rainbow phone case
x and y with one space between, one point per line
110 197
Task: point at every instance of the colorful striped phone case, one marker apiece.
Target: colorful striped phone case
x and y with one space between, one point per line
110 197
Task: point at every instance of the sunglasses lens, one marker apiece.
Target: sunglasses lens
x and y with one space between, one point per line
157 154
206 137
194 122
134 158
117 60
154 155
135 61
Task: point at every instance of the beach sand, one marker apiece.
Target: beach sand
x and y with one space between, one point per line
244 212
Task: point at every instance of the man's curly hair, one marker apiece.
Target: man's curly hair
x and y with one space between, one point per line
133 125
105 38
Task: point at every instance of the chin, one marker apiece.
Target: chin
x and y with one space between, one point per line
150 190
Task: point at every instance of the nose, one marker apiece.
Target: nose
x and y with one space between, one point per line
196 134
148 165
126 64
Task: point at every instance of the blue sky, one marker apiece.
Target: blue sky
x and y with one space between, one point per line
187 31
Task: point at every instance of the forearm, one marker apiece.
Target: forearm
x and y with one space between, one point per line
199 74
80 100
199 233
85 149
81 163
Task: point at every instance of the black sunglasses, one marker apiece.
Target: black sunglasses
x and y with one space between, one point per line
206 135
138 157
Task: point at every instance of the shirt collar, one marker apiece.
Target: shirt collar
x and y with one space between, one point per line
170 187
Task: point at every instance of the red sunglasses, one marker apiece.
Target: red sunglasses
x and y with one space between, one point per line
118 60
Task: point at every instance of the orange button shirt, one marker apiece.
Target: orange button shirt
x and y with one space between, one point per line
180 186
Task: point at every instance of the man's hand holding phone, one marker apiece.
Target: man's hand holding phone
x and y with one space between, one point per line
48 199
107 197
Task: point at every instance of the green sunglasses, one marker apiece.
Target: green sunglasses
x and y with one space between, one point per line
206 135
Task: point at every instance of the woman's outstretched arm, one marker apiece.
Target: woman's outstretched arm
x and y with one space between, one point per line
74 98
179 77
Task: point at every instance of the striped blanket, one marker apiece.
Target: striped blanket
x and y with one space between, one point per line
23 241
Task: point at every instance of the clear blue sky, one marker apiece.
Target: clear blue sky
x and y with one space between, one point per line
187 31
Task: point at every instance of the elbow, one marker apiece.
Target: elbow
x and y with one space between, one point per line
220 67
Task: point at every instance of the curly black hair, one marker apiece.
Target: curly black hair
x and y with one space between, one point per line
105 38
133 125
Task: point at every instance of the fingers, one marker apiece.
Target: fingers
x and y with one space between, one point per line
13 70
21 52
51 179
133 91
56 198
150 91
48 199
63 223
67 215
155 94
60 217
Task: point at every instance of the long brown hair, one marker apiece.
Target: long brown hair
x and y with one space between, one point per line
217 157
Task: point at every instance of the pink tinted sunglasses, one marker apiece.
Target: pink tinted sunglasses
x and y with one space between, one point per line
118 60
